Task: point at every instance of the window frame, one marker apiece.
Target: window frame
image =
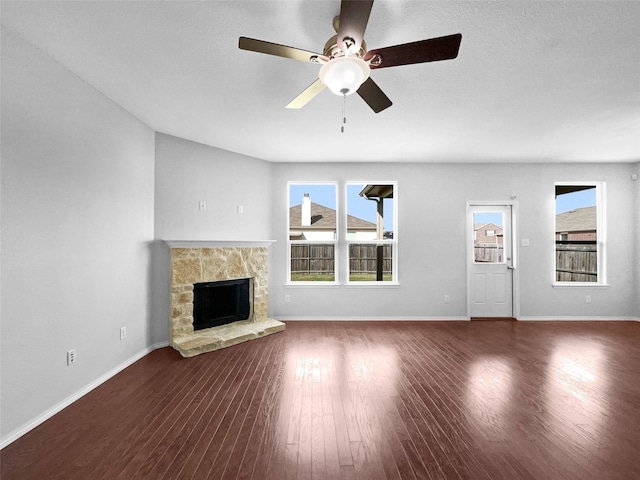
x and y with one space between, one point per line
341 242
601 234
387 241
333 242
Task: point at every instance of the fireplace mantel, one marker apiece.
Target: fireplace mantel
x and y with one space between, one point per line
218 243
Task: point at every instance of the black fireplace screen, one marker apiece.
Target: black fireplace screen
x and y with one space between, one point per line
219 303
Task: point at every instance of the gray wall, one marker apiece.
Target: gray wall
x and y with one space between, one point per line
431 201
77 220
187 173
635 169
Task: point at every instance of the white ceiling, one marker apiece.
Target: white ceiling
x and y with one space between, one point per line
534 81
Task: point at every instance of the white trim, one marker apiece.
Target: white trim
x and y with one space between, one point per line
346 318
514 205
20 431
373 284
601 234
218 243
343 233
578 319
579 285
452 319
334 241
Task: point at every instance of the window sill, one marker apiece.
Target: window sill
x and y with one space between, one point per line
580 285
339 285
311 284
372 285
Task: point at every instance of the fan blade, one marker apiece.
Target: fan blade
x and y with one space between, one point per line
354 15
278 50
307 95
431 50
375 98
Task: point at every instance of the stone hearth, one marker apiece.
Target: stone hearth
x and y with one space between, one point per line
197 262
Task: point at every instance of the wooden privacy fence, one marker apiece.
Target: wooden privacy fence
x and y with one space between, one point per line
312 258
363 259
488 253
576 261
320 258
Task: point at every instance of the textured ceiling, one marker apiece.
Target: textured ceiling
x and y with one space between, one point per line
534 81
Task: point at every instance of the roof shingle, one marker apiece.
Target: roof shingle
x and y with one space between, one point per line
324 218
578 220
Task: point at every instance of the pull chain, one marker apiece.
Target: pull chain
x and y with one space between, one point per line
344 115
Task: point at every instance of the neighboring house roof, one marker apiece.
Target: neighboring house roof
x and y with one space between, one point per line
324 218
578 220
490 226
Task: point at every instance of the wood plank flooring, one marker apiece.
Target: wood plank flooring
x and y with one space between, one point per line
361 400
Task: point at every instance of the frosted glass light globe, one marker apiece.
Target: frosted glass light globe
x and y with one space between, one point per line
344 75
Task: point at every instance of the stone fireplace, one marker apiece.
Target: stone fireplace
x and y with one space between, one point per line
202 263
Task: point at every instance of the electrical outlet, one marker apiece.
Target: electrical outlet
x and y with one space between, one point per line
240 209
587 299
447 299
202 205
287 299
71 357
123 333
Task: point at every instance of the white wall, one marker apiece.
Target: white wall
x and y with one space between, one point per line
635 169
187 173
77 221
431 200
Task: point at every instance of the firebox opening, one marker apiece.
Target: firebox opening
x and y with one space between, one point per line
219 303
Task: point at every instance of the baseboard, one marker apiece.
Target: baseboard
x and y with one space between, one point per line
347 318
530 318
493 319
13 436
578 319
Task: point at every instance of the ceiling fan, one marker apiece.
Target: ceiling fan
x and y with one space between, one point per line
346 63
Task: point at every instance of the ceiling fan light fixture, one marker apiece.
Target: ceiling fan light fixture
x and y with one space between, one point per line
344 75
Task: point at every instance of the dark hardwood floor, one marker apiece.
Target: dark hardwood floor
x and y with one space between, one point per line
361 400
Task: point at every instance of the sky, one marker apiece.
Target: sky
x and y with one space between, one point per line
495 218
325 194
571 201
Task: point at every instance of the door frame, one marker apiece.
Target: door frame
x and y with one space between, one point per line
515 272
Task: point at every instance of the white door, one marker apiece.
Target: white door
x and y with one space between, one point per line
490 261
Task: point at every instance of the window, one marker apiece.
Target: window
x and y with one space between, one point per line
371 232
488 242
579 233
323 237
312 232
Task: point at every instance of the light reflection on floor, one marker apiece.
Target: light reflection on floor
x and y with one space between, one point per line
577 392
489 395
375 364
